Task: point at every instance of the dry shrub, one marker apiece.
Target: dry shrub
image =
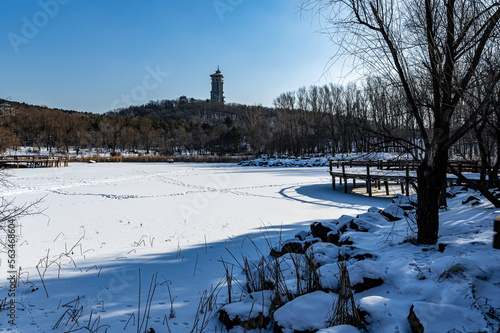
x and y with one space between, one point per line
344 311
455 271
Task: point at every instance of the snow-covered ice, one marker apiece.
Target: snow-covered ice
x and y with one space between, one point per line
102 222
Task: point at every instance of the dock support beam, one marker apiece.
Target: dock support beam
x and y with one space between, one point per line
407 180
368 180
345 178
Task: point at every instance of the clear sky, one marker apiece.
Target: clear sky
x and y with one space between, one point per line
97 55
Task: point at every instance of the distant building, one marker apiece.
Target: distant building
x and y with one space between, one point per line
217 93
7 110
183 100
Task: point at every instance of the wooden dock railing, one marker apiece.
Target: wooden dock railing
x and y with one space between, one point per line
376 172
33 161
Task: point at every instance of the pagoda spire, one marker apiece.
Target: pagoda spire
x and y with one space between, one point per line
217 93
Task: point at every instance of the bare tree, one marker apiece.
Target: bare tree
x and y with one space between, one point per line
110 127
256 129
10 212
431 49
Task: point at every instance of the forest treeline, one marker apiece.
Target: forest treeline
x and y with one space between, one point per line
328 119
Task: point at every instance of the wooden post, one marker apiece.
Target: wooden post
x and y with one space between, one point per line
378 184
407 180
345 178
368 180
333 182
386 183
353 183
402 187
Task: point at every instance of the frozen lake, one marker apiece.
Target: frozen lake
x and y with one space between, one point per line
102 222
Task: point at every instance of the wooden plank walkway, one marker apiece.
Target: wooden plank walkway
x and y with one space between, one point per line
33 161
374 173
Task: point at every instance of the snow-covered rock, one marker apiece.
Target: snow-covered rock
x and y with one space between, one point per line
339 329
439 318
323 253
393 212
328 277
252 312
305 313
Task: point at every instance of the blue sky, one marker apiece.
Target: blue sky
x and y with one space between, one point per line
96 55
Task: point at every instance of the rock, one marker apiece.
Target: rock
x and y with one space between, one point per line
304 314
345 241
393 213
401 199
302 235
438 317
328 277
251 313
441 247
323 253
363 256
340 329
354 226
415 324
288 247
347 252
320 231
345 220
293 246
258 322
368 283
343 229
333 238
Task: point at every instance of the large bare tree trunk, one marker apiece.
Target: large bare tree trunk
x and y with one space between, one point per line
431 179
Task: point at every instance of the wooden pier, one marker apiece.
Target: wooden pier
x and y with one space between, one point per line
376 173
33 161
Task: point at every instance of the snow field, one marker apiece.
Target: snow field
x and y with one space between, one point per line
104 222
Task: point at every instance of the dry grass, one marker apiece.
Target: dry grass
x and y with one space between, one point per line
344 311
157 159
454 271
